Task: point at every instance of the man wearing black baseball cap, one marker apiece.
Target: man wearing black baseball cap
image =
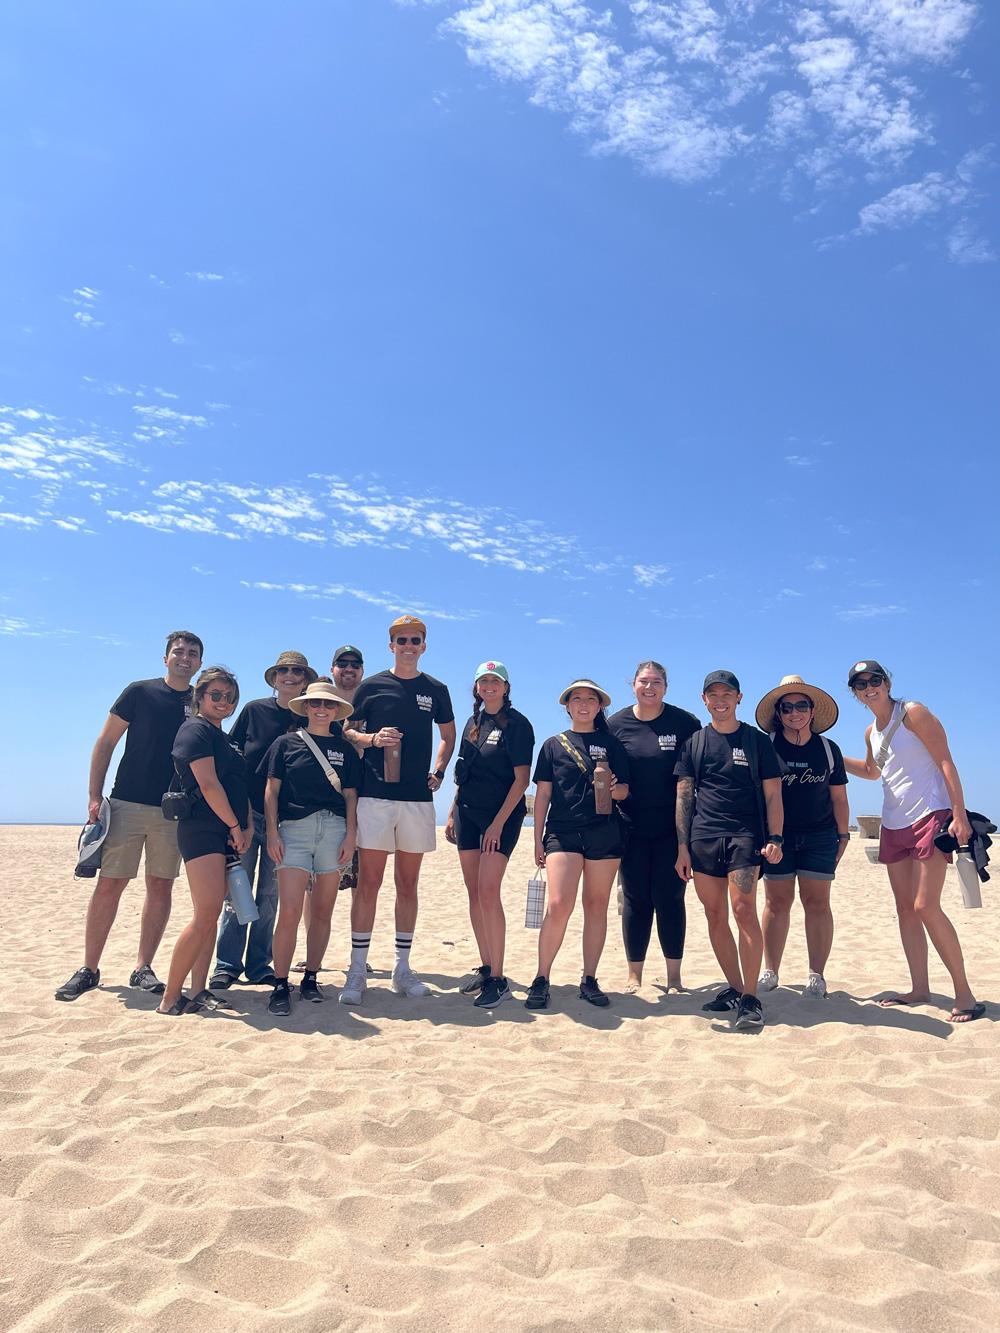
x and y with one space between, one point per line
347 669
722 833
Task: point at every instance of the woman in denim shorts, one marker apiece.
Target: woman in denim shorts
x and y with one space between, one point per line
814 794
311 831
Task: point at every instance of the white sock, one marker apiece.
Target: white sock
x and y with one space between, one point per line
403 941
360 944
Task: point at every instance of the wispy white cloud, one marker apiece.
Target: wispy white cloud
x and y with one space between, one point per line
871 611
24 520
549 620
86 320
800 460
201 276
648 575
177 338
388 601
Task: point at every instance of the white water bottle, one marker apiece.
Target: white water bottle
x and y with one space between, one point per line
239 892
968 878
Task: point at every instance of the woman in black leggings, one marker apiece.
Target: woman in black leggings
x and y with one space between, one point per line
653 734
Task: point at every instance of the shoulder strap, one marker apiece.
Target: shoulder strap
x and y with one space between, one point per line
571 749
883 750
828 751
697 752
324 763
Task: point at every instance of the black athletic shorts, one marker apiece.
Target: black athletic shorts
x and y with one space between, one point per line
594 842
813 855
201 837
718 856
470 825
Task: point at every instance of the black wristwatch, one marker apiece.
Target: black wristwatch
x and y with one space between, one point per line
777 839
439 774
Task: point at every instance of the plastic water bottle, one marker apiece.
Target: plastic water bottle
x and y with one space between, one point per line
239 892
968 878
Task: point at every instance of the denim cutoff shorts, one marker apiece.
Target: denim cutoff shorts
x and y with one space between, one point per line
313 843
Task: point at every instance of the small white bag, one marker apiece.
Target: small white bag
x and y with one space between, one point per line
534 907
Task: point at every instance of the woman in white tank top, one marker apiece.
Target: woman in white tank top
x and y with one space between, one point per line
907 748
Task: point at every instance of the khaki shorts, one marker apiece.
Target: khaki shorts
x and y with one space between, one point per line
396 826
136 827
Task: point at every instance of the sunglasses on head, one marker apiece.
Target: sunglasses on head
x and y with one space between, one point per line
289 671
799 706
220 696
402 639
863 682
318 703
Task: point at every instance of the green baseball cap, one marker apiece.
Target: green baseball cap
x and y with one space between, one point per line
492 669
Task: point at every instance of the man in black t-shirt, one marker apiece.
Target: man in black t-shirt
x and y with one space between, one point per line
147 713
396 710
729 815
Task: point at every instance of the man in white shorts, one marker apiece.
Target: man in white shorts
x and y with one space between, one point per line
396 707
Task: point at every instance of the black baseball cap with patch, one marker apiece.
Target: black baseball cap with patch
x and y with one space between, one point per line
859 669
721 678
349 648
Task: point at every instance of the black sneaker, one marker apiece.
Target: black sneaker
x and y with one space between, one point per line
725 1001
280 1002
144 978
749 1015
221 980
83 980
538 994
592 993
495 991
475 981
308 989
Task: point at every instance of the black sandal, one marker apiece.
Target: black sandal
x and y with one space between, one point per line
177 1008
207 999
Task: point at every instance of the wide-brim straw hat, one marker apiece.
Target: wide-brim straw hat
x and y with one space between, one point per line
584 684
825 710
321 690
290 660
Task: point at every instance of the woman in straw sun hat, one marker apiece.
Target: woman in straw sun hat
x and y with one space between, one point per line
814 793
311 830
574 840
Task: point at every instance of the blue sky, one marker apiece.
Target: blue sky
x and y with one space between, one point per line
592 332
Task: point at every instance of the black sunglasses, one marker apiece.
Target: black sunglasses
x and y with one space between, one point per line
289 671
402 639
346 663
800 706
220 696
319 703
862 682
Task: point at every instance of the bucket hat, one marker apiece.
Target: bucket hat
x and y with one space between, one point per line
585 684
825 710
321 690
290 660
90 843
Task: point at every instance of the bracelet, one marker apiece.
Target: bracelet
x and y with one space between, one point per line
231 827
439 774
843 837
777 839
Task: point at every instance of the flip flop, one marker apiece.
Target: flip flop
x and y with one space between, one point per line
205 999
967 1015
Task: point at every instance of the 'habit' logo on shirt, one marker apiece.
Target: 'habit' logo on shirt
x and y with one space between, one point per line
425 702
189 710
598 752
739 757
667 742
335 756
494 737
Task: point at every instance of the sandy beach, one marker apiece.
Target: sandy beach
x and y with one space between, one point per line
423 1165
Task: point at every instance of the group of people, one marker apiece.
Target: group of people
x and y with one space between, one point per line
317 784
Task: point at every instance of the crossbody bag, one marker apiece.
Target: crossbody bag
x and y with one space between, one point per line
324 763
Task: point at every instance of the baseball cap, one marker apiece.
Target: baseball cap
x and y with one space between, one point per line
492 669
860 667
349 648
721 678
407 622
90 843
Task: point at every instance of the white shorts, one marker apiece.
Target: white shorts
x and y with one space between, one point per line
396 826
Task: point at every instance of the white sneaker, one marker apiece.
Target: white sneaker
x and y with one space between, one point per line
768 980
355 985
405 982
815 986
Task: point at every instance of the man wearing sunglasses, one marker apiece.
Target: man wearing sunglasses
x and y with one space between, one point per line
260 723
148 714
347 670
399 707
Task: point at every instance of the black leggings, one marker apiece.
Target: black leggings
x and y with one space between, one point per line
651 884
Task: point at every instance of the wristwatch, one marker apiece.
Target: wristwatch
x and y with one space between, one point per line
777 839
439 774
843 837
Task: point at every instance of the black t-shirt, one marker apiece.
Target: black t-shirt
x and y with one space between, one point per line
806 785
260 723
412 707
485 768
199 739
653 749
153 712
572 804
726 803
305 787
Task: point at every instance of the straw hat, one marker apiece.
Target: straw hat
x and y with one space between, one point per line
290 660
825 714
585 684
319 689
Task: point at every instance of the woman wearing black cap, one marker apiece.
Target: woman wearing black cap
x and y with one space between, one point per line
814 796
906 746
572 839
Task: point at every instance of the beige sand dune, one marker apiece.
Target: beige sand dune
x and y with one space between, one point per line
426 1165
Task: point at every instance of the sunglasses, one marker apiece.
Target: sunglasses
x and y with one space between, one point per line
863 682
402 639
800 706
319 703
220 696
347 664
289 671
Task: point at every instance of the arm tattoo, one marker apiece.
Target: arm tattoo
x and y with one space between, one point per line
685 809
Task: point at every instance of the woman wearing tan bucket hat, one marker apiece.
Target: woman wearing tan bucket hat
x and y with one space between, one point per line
260 723
814 794
310 803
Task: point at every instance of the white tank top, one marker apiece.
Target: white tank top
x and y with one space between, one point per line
912 784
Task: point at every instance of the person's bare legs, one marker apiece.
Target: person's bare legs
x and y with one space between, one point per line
779 895
815 895
598 876
364 899
101 912
200 967
944 937
743 896
564 871
406 873
155 915
292 884
469 861
207 881
713 895
324 897
492 868
903 879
